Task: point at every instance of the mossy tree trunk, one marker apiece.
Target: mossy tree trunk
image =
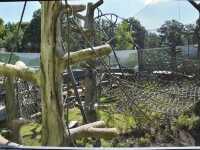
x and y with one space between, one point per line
48 77
10 101
91 74
90 78
12 110
53 129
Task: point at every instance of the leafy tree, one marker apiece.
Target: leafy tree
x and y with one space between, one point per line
31 38
152 40
197 35
2 29
171 32
139 32
70 36
9 40
123 37
105 31
189 34
12 40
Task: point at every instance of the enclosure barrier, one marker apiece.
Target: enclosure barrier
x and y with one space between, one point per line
77 148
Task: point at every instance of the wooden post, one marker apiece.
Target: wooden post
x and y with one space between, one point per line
49 78
90 79
53 132
90 76
140 60
11 104
11 109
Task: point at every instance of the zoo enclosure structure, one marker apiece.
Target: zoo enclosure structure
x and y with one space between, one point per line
48 77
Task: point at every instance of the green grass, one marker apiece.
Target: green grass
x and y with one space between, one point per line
120 121
31 133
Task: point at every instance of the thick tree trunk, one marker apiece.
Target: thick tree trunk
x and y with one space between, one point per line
49 79
90 77
53 126
11 110
11 104
90 94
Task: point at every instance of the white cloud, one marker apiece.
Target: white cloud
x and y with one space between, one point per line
154 1
151 1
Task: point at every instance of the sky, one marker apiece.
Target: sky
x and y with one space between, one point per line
151 13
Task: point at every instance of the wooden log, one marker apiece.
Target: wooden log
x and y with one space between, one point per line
20 70
92 130
85 54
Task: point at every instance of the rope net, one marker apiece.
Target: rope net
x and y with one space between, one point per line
29 101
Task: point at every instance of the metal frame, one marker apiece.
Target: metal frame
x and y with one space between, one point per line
79 148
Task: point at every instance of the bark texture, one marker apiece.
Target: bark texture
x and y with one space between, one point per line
49 79
11 103
53 126
94 130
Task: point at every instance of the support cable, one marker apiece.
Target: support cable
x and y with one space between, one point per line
17 43
119 81
67 49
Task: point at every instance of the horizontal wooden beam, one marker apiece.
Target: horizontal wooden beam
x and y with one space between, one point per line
85 54
20 70
93 130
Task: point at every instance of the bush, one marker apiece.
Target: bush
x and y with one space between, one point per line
187 122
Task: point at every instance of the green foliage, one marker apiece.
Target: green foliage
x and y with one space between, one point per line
144 141
31 134
120 121
2 29
152 40
9 38
171 32
187 122
123 37
191 36
139 32
31 39
28 36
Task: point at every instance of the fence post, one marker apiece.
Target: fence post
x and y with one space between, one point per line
11 104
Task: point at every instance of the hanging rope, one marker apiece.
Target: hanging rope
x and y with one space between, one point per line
17 33
67 49
17 42
118 81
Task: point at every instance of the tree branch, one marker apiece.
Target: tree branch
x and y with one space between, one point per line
73 8
85 54
194 4
92 130
97 4
20 70
66 9
80 16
